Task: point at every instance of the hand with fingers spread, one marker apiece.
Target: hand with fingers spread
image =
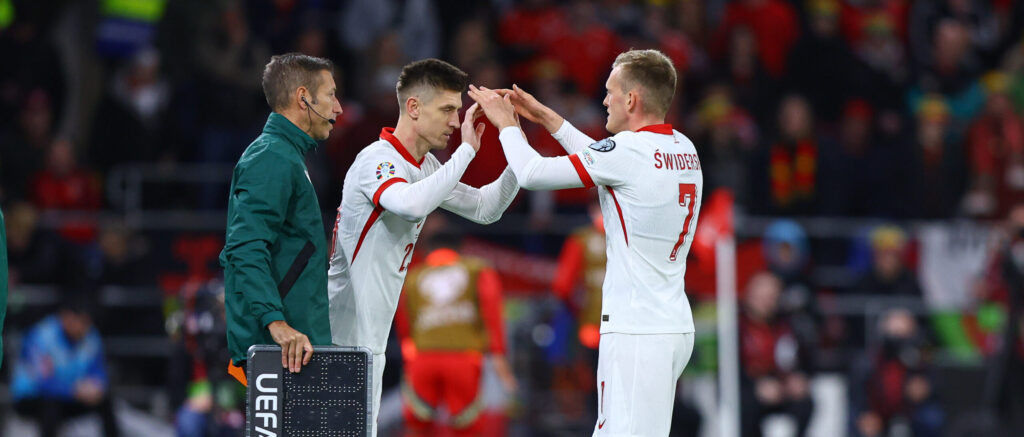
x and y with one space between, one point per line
528 106
296 349
470 135
498 109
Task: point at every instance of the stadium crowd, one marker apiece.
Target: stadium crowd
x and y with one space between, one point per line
906 114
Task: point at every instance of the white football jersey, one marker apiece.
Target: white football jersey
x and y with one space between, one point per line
650 186
372 247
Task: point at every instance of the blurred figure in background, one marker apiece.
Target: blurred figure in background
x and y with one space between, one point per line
450 314
889 275
1004 285
792 161
23 150
995 145
64 185
892 391
774 372
60 372
938 177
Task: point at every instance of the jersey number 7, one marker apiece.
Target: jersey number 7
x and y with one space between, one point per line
687 199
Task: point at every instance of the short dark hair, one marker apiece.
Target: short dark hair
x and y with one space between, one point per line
652 71
431 73
285 73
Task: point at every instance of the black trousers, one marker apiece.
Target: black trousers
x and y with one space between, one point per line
50 414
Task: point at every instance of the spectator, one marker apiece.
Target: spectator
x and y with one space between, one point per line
131 124
231 63
848 190
64 186
726 138
952 72
892 387
60 372
996 149
1002 286
584 50
880 32
938 175
22 151
774 374
977 16
792 161
774 25
823 53
889 275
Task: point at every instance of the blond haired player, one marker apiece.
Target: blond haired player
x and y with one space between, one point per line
650 186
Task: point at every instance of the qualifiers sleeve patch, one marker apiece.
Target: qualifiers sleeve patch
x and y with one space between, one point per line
605 145
588 157
385 170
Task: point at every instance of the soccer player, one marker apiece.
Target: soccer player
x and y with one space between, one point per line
391 187
650 192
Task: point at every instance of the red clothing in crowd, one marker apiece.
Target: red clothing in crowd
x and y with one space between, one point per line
77 190
758 342
994 145
585 57
856 20
773 23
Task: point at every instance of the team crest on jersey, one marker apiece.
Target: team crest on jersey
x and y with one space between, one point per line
385 170
588 157
605 145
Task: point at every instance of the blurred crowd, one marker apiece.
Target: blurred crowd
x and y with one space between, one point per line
890 110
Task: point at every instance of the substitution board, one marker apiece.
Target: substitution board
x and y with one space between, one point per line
330 397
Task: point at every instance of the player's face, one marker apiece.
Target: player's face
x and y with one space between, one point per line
615 100
325 102
440 118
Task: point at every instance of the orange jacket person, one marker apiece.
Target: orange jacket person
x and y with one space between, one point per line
448 317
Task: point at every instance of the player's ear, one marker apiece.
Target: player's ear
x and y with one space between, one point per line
412 107
632 101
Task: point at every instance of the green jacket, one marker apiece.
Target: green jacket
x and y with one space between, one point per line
3 282
275 251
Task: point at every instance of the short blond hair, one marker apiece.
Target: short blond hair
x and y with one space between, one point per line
654 73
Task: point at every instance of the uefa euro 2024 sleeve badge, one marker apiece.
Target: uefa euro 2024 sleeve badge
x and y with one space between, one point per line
385 170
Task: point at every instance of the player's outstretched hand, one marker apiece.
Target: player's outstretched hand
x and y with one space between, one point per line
532 109
295 347
470 135
498 109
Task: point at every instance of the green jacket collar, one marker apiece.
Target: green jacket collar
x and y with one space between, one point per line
277 124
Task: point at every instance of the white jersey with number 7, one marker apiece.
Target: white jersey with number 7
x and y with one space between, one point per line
650 186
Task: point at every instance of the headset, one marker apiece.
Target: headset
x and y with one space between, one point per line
310 108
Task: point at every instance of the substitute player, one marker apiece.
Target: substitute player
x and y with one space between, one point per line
650 192
388 192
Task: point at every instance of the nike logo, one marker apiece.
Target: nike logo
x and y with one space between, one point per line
601 424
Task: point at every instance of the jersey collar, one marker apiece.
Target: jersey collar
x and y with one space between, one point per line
664 129
388 134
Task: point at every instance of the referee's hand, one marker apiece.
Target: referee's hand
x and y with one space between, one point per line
295 347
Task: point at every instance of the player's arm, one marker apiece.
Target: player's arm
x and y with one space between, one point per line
533 171
486 204
414 201
571 139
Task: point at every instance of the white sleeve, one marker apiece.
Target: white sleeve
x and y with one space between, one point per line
486 204
536 172
415 201
572 140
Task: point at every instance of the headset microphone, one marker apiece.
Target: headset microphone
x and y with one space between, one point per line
310 107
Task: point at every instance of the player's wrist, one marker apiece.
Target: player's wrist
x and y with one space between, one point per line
552 121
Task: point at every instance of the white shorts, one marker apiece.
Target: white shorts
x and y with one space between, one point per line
378 374
636 382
